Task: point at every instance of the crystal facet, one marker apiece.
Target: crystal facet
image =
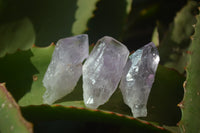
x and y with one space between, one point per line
138 77
65 68
102 71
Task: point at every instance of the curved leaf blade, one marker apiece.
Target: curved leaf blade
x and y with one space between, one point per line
64 114
11 119
40 59
17 71
82 16
190 105
165 94
173 48
15 35
109 19
51 20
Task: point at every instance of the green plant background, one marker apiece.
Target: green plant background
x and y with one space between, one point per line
27 28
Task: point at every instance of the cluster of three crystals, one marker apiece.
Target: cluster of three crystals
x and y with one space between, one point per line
108 63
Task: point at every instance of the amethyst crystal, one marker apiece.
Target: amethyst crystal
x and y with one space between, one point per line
138 77
102 71
65 68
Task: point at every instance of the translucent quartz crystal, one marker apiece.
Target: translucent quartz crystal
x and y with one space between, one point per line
65 68
138 77
102 71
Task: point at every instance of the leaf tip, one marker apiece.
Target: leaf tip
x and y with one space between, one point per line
11 103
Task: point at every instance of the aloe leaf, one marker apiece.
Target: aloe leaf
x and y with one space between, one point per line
40 59
173 48
51 20
173 129
128 6
18 34
11 119
143 18
155 37
109 19
140 24
60 18
190 105
46 115
17 71
165 94
83 14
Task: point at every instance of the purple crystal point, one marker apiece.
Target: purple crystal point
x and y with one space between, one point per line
102 71
65 68
138 77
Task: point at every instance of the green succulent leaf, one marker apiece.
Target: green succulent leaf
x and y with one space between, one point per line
173 129
40 61
155 37
18 34
109 19
51 19
173 48
108 121
168 89
65 18
129 5
17 71
11 119
140 23
52 22
83 14
190 105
